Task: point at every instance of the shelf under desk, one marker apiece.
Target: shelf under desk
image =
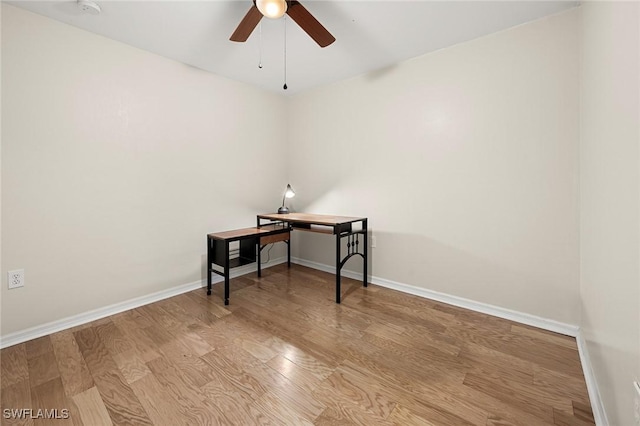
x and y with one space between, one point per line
250 241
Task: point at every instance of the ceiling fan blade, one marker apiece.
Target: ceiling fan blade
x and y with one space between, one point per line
309 24
247 25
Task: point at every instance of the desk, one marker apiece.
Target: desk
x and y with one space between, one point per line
340 226
218 252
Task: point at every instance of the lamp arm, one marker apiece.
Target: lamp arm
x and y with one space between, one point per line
284 197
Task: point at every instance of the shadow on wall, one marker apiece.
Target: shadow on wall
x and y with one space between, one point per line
381 72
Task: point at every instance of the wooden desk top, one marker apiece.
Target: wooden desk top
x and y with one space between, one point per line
309 218
244 232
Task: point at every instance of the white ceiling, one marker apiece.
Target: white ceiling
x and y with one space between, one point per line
370 35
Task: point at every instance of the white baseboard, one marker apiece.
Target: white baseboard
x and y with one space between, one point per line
497 311
597 406
85 317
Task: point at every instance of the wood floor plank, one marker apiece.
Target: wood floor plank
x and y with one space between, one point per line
478 357
309 363
91 408
554 338
490 387
232 374
131 365
157 402
582 411
533 394
74 412
194 342
561 418
175 383
339 414
256 348
472 319
43 368
198 311
279 411
218 334
15 398
228 401
418 339
403 416
406 357
561 385
50 398
74 372
196 369
305 379
340 346
160 317
283 352
497 410
122 403
343 386
211 305
37 347
13 366
95 353
190 402
208 412
284 335
287 390
438 398
131 319
537 351
145 348
406 313
159 335
113 338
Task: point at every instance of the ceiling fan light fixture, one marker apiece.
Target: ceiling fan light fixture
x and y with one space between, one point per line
273 9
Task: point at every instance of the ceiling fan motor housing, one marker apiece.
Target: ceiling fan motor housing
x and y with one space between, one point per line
296 11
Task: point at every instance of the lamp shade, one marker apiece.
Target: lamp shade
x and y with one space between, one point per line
273 9
288 193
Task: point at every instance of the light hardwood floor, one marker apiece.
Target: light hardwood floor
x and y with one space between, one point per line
284 353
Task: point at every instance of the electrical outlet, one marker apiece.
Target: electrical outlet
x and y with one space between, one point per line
373 241
15 278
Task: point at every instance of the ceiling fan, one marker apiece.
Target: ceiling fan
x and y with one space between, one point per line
276 9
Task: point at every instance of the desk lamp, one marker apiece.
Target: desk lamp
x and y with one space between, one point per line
288 193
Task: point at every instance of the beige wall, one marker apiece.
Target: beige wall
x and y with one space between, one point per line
609 220
115 164
465 162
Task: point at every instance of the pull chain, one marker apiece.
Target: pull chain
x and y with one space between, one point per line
260 47
285 53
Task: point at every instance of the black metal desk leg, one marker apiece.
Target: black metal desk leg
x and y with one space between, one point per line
259 248
226 273
365 256
209 261
289 250
338 267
